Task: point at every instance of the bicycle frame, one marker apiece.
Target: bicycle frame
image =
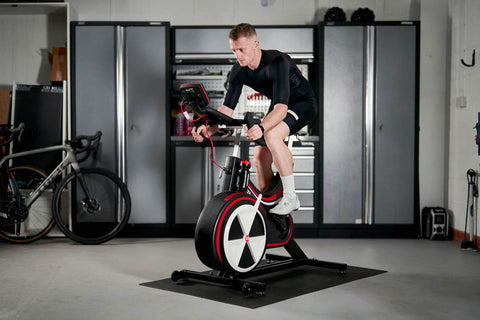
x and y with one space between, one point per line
69 159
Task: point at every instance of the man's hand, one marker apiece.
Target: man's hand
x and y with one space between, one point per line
254 133
199 133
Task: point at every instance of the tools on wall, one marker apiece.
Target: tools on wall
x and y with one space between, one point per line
471 211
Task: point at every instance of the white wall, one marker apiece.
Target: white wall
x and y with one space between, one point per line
465 82
25 40
434 61
229 12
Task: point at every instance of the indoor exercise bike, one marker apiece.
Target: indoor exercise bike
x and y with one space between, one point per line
235 228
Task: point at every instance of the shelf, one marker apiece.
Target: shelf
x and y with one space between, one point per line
199 77
32 8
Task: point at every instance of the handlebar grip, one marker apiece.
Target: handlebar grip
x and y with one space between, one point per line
251 121
9 132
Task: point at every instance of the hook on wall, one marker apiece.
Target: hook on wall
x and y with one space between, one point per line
473 60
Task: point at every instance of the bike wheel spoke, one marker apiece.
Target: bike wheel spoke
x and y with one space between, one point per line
34 221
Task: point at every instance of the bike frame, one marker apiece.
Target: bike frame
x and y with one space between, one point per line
69 160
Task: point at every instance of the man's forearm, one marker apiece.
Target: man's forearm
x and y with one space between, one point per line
275 117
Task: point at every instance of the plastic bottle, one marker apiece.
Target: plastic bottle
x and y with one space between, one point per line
180 124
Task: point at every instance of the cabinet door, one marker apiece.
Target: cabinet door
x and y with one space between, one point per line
147 144
189 183
395 129
343 124
93 96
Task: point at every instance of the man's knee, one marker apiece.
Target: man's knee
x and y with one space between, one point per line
276 134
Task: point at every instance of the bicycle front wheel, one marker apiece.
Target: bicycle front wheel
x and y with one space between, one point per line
21 222
91 206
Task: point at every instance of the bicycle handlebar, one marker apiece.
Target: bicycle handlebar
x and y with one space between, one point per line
7 130
196 99
91 144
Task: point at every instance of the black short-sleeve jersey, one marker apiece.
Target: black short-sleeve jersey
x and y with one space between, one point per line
277 77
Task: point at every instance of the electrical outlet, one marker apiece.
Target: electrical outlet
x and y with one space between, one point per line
461 102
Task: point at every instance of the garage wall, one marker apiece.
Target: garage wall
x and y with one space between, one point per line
465 83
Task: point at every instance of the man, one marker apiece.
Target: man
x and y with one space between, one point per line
293 106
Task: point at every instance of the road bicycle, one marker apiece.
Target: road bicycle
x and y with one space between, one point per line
89 205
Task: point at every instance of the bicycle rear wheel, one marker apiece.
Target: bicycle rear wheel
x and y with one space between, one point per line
98 209
20 223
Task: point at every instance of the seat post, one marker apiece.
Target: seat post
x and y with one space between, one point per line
236 143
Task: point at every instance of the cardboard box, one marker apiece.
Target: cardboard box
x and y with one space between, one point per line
59 64
4 105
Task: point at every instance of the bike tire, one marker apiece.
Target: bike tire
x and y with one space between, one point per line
90 225
39 220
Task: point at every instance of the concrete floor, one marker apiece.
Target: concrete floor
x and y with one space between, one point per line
59 279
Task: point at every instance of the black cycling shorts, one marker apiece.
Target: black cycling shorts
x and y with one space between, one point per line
300 114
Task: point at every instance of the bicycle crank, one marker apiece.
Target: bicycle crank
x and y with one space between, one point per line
17 212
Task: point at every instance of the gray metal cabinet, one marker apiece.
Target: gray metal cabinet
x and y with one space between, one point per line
304 175
120 85
370 129
189 181
196 178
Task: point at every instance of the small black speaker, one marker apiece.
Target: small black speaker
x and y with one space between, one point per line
434 224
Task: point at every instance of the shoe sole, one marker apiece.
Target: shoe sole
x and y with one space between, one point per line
285 214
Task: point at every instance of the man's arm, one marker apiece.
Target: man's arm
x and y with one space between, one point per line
201 132
271 120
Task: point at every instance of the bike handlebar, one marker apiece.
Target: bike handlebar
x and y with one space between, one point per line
91 144
195 98
8 131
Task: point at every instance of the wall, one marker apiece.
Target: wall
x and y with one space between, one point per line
25 42
229 12
464 83
434 62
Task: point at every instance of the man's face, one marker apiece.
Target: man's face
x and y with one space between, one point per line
244 49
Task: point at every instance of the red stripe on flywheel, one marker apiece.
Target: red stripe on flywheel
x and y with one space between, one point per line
231 196
253 190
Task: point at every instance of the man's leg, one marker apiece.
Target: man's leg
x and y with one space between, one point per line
262 158
283 160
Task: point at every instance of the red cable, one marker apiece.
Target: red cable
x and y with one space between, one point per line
206 126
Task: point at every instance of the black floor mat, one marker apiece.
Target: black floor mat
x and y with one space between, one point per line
281 285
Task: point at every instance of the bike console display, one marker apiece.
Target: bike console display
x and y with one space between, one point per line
195 99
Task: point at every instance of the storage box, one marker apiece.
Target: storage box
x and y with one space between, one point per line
59 64
4 105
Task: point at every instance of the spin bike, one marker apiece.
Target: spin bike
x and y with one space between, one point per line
235 228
